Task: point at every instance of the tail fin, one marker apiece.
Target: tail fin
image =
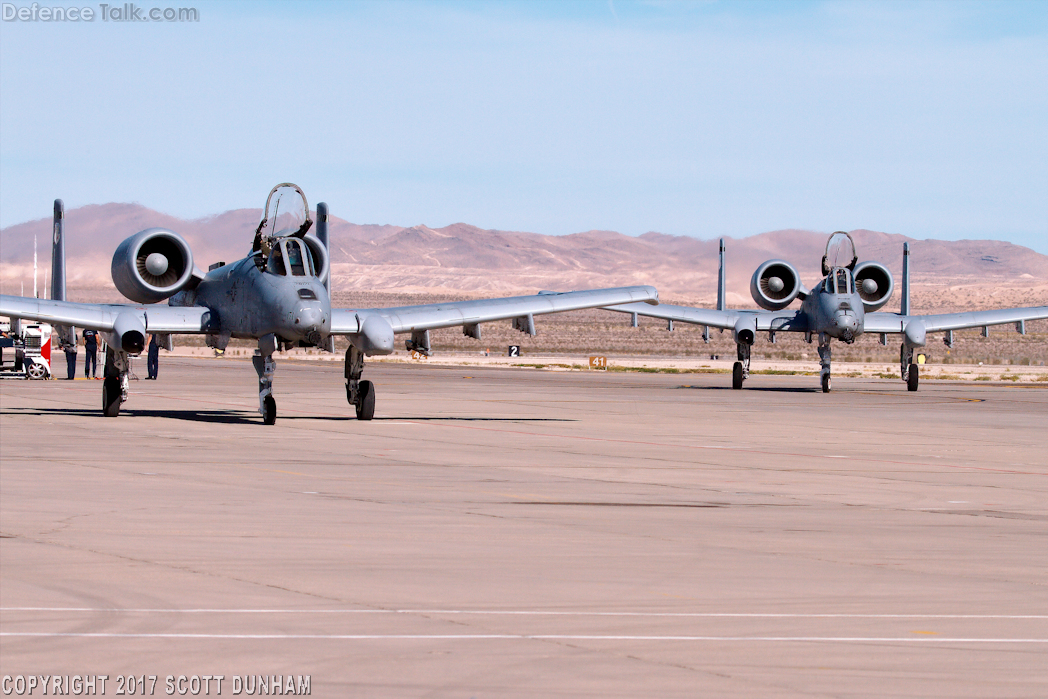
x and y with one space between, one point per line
905 298
66 334
721 301
322 236
322 233
58 269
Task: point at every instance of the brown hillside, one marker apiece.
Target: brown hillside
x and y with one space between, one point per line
464 259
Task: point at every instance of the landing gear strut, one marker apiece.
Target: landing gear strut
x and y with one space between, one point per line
360 394
115 383
265 367
740 371
825 354
910 372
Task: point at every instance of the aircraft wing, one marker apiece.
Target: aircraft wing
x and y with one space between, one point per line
895 323
345 321
102 316
785 321
682 314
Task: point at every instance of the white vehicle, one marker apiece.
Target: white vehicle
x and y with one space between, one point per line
37 353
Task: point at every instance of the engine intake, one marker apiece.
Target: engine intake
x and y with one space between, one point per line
874 283
152 265
775 284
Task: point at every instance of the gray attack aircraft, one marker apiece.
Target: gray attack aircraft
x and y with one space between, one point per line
277 295
842 306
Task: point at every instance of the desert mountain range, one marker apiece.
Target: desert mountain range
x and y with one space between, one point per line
461 259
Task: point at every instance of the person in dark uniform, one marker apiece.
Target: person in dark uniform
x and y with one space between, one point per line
70 352
91 360
153 359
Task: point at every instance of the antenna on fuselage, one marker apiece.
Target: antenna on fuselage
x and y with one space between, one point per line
905 298
322 236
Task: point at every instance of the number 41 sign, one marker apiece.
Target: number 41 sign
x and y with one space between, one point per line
598 362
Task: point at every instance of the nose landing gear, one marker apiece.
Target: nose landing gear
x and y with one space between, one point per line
825 355
265 367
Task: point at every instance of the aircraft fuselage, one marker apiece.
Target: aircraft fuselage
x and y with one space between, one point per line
247 302
834 308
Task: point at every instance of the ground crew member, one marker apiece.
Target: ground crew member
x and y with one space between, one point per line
70 352
91 360
153 359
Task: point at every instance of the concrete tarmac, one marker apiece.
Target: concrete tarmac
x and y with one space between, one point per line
520 533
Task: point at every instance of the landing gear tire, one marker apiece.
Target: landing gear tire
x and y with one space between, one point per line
736 376
912 378
825 383
365 400
111 395
269 416
36 371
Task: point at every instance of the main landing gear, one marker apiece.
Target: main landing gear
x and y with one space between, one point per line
910 372
740 371
360 394
265 367
115 383
825 354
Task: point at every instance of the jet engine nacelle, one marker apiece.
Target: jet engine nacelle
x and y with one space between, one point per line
375 336
745 330
775 284
152 265
874 283
321 259
129 333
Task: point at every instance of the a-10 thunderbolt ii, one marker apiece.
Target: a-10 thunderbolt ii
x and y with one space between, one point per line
277 295
842 306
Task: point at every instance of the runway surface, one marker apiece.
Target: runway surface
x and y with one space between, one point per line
502 533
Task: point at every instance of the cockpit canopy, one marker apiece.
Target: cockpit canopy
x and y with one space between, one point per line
290 256
840 281
280 245
840 252
287 212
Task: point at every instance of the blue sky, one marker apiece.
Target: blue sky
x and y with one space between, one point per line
702 119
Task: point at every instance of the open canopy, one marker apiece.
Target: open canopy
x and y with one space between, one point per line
287 212
840 252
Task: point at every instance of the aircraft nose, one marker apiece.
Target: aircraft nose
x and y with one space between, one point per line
308 316
845 320
847 325
312 322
